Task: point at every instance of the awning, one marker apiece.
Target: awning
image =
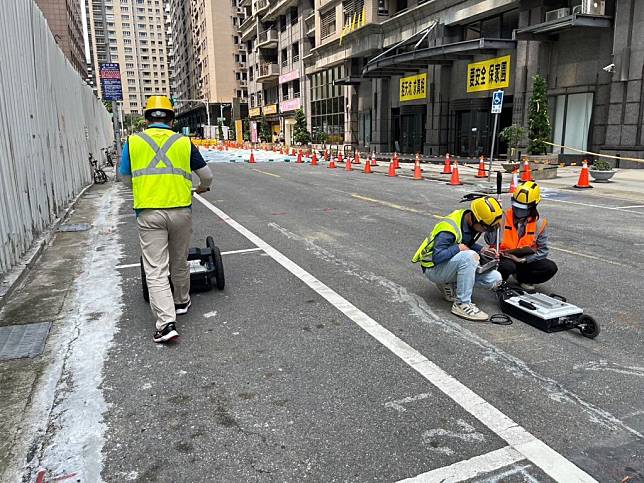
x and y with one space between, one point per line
404 57
351 80
576 20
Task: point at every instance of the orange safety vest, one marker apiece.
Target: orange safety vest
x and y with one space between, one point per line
511 238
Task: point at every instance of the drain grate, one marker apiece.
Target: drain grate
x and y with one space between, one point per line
19 341
75 227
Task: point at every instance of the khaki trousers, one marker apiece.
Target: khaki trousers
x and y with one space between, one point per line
165 237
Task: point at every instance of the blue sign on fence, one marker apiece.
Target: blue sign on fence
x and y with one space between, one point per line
110 74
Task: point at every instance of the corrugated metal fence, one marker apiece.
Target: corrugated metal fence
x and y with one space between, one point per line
49 122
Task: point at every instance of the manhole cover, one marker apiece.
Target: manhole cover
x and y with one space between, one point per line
75 227
18 341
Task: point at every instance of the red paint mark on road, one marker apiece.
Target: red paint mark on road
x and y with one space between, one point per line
279 213
40 476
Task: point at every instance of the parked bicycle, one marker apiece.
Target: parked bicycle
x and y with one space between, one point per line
99 175
109 156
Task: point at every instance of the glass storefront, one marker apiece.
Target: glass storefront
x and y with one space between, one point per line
328 104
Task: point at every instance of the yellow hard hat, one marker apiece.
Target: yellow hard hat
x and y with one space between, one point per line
159 103
487 211
527 193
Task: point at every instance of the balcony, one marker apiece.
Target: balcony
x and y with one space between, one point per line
278 8
268 72
267 39
248 29
260 7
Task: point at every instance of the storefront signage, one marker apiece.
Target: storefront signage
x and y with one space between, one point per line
255 112
291 76
269 109
413 87
488 74
290 105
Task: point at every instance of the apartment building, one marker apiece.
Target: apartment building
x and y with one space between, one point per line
64 20
418 75
133 33
209 62
278 35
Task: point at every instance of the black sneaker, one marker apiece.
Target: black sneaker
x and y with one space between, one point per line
169 332
182 309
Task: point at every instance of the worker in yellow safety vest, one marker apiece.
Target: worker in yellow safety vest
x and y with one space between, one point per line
158 162
449 256
524 243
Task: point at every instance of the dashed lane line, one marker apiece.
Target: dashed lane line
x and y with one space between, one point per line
232 252
266 173
533 449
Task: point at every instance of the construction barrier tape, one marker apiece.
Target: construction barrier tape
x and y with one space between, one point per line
636 160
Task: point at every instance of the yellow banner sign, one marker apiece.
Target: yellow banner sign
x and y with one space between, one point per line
255 112
239 131
488 74
413 87
270 109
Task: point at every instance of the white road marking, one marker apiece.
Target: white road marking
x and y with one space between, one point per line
633 206
398 405
592 257
471 468
590 205
433 436
532 448
232 252
611 367
210 314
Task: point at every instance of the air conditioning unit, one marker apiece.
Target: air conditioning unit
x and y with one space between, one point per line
576 9
556 14
593 7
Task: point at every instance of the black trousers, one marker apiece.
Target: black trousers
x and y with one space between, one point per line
539 271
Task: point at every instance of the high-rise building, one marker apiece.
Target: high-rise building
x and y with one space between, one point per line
209 61
133 33
279 35
64 19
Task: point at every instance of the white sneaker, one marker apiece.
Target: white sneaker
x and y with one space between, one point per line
528 287
447 290
469 312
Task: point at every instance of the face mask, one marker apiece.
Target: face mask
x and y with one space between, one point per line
520 211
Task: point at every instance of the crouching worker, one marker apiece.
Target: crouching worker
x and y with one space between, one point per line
524 242
449 257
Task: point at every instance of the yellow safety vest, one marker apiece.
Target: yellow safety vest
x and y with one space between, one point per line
160 162
451 224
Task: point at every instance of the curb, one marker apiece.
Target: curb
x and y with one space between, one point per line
16 275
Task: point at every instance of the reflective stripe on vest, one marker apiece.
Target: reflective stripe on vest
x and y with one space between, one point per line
511 239
450 224
161 156
160 162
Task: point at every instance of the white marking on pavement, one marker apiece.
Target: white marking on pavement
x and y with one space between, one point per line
210 314
505 476
232 252
398 405
591 205
432 436
542 455
632 206
611 367
471 468
592 257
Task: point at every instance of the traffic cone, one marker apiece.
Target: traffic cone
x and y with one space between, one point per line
282 151
417 172
583 182
314 160
356 159
326 154
482 171
396 161
331 164
367 168
339 157
455 179
392 170
526 175
447 169
251 160
373 161
347 165
515 180
293 152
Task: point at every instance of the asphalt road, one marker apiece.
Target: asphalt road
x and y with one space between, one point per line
328 355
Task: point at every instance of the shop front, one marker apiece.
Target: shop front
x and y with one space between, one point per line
287 111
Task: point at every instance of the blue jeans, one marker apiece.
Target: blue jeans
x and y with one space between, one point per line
461 268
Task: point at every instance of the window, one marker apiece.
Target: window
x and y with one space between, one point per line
352 9
293 14
284 57
285 91
296 88
572 120
327 104
296 52
282 23
327 23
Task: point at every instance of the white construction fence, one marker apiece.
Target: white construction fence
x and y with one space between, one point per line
50 121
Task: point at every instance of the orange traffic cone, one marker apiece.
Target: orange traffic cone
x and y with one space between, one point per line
515 180
331 164
417 172
455 180
392 170
526 175
583 177
299 157
396 161
373 161
347 165
282 151
482 171
367 168
251 160
293 152
326 154
356 159
339 157
314 160
447 169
